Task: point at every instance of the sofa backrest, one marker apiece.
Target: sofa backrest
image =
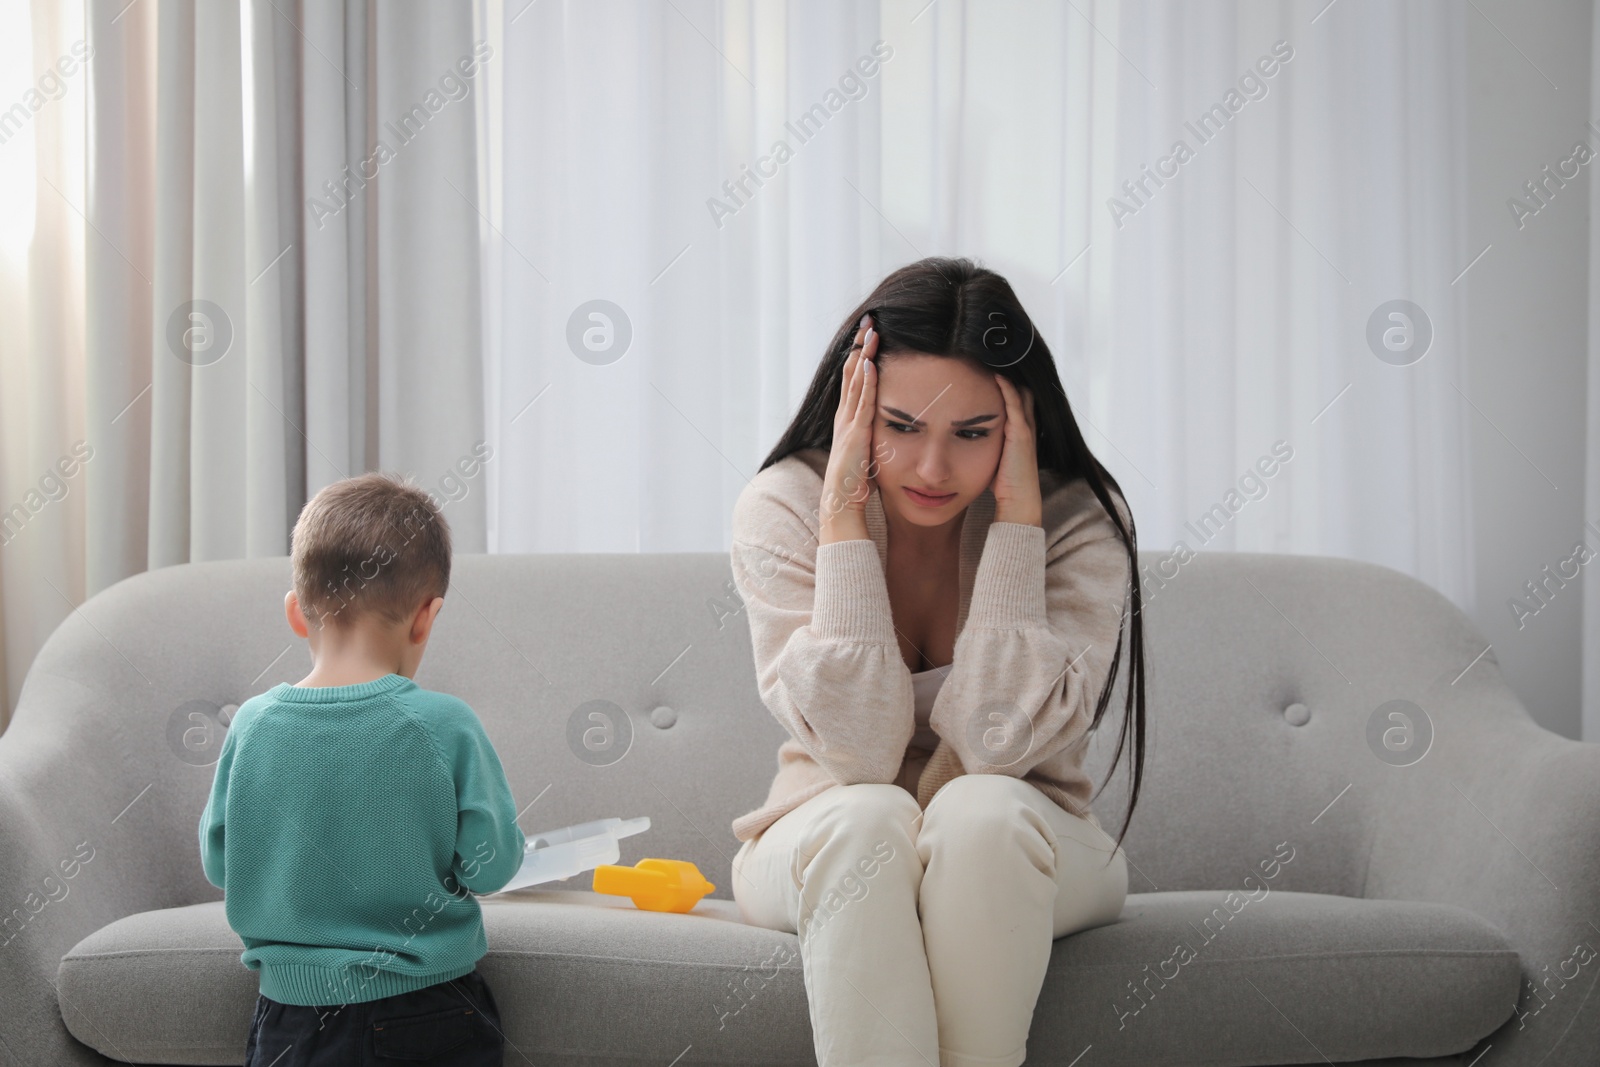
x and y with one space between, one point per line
622 685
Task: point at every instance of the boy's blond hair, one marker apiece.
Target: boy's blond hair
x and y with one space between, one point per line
373 546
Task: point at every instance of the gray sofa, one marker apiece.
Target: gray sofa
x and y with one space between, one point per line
1303 888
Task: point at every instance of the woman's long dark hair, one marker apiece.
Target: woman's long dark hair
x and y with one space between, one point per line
954 308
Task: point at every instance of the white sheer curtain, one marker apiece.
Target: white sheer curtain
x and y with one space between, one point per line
1227 311
913 130
1244 286
451 299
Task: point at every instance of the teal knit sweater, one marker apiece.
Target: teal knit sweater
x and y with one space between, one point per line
348 827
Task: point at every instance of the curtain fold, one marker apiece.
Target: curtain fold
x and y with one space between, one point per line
121 148
272 278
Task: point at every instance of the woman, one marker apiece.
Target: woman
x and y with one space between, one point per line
936 582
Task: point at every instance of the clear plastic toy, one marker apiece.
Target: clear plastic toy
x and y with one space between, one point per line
557 854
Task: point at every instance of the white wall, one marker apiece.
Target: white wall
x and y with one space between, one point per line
1526 358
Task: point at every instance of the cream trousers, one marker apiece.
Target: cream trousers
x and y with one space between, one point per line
924 935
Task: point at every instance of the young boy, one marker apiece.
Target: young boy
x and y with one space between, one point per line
354 814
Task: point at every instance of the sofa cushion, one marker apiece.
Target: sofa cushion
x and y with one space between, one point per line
582 978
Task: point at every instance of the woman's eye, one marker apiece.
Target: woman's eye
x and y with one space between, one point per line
900 427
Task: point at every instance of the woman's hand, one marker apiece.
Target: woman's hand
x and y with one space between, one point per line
1016 480
847 482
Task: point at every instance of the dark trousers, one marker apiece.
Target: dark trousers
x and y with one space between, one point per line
454 1023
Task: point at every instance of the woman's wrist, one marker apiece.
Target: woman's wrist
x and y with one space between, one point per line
1008 590
1025 518
845 525
851 601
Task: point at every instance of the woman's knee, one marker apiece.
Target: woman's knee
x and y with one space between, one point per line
978 804
986 820
871 800
865 811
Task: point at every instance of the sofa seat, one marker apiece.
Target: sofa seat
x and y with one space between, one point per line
582 978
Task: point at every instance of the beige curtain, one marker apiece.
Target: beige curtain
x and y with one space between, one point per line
254 270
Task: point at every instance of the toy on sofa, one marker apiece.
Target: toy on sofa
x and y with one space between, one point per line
558 854
655 885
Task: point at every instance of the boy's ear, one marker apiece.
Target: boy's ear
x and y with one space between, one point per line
422 624
297 621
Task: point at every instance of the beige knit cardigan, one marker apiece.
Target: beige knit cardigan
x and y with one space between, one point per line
1039 614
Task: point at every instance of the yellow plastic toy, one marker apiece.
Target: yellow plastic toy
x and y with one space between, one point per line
654 885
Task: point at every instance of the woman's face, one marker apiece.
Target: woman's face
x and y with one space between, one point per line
938 429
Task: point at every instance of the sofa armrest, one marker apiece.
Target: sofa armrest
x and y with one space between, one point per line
1502 818
78 829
